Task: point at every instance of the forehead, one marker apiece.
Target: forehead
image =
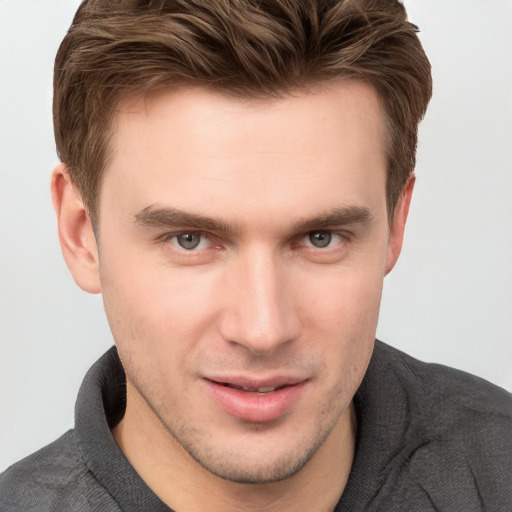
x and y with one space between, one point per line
196 148
325 105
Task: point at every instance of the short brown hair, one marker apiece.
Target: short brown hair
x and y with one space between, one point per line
245 48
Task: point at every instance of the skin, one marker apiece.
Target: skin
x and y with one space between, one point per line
256 185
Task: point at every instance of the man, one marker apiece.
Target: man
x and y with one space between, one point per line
235 181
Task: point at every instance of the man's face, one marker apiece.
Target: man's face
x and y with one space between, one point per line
243 247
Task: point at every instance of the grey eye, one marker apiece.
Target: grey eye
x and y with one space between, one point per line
188 240
320 238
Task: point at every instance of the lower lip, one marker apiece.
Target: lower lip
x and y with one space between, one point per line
252 406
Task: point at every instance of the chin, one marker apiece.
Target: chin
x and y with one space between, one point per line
247 470
262 457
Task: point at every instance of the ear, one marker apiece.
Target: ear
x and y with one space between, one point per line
76 235
396 233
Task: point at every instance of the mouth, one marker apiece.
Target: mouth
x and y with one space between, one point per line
261 389
254 401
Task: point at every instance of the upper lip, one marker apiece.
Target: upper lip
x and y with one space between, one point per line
254 383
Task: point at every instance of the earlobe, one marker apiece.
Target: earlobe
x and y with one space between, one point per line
76 234
396 233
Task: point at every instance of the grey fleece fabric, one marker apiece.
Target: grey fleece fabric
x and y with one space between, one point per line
430 438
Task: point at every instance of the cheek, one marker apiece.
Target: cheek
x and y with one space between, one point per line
153 310
345 302
157 328
340 318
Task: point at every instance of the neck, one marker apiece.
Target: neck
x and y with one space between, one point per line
181 483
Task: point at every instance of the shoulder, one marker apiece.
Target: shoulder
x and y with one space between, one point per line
54 478
446 389
456 432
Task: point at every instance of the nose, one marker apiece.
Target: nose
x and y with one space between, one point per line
259 311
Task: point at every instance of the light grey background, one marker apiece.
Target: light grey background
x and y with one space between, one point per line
449 299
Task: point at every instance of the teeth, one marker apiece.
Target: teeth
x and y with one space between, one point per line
267 389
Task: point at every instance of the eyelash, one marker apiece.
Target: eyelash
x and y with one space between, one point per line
343 238
168 238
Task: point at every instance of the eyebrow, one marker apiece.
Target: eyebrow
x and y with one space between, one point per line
172 217
338 217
